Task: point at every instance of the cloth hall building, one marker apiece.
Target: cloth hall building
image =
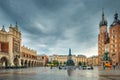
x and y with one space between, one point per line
12 53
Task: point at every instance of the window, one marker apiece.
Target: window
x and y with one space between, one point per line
113 36
113 31
113 41
113 50
4 47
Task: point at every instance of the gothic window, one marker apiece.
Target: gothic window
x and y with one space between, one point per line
113 31
113 41
113 46
4 47
113 50
113 36
16 46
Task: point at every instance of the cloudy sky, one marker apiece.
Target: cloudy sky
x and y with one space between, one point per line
53 26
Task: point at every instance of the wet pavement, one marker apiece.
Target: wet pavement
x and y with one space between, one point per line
45 73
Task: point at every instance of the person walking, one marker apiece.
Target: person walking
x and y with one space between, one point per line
114 65
104 66
118 65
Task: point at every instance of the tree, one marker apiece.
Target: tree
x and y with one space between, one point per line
55 63
79 63
64 63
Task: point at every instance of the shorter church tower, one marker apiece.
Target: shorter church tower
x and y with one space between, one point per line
103 38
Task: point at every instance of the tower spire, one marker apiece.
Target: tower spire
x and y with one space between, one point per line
116 20
3 28
16 25
116 16
103 14
103 22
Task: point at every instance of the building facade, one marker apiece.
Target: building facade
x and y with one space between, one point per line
81 58
115 40
63 58
92 61
109 42
43 59
12 53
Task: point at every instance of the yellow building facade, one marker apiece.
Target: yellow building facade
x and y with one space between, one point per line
63 58
92 61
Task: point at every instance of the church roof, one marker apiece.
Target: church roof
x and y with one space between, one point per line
116 20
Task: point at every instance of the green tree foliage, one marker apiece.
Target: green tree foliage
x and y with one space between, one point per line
79 63
55 63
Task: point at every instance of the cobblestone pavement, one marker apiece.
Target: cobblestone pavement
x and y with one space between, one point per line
45 73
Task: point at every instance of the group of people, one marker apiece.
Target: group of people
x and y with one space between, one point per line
116 66
111 66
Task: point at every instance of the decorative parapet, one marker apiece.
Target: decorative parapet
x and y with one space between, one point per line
28 50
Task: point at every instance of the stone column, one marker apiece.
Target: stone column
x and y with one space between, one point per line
11 56
19 62
0 47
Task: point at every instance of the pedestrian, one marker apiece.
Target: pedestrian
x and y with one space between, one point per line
51 67
114 66
118 65
104 66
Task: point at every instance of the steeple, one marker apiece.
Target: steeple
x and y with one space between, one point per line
3 28
116 20
103 15
116 16
103 22
16 26
10 25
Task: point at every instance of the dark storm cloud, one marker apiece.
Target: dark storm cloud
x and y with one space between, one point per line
52 26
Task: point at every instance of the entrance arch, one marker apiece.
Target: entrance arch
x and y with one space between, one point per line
22 64
29 63
26 63
16 61
32 64
4 62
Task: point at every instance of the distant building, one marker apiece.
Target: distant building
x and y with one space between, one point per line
81 58
43 59
109 42
92 61
63 58
60 58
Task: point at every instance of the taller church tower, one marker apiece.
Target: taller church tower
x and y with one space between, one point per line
115 40
103 38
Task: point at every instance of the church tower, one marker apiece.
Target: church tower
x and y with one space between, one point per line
103 38
115 40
